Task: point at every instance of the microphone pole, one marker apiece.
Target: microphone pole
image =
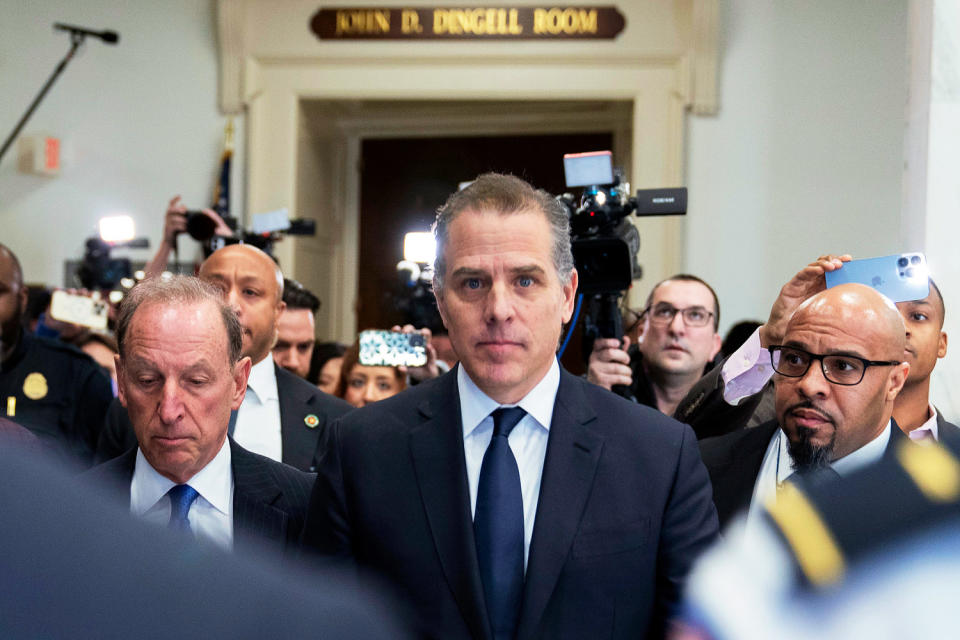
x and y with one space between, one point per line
77 37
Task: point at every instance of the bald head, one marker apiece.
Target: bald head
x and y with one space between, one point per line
252 284
851 340
10 266
13 300
859 309
233 252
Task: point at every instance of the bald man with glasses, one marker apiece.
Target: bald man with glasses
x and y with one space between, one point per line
837 373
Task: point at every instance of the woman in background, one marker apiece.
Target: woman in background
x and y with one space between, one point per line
360 385
325 364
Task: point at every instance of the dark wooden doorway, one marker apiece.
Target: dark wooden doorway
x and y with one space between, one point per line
403 182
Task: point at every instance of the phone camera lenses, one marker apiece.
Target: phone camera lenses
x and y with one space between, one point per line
910 272
417 340
902 262
914 259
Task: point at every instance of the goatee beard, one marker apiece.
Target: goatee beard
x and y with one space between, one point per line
807 456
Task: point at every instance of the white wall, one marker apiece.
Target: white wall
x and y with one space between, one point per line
943 194
139 122
804 157
806 154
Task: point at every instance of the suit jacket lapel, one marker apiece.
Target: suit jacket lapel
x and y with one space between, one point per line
436 446
947 433
296 438
573 451
254 520
115 476
896 437
735 477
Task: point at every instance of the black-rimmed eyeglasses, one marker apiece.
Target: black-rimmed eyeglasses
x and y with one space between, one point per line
838 369
664 313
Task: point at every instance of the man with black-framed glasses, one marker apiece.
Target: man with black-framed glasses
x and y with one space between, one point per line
838 369
675 338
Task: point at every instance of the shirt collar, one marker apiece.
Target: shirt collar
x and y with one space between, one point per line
214 482
867 454
930 425
263 381
475 405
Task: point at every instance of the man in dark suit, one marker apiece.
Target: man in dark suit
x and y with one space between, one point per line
180 374
738 393
507 498
839 368
282 415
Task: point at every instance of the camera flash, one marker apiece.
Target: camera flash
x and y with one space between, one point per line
116 229
420 247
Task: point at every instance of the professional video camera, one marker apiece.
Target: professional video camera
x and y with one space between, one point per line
413 298
605 244
266 229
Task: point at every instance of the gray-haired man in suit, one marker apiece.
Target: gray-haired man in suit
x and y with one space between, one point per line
180 375
508 499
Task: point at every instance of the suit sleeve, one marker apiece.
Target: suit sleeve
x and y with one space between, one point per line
689 527
705 410
327 529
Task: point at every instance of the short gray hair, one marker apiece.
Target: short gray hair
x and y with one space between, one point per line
179 290
505 194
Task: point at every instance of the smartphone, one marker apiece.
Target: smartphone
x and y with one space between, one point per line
79 309
901 277
392 349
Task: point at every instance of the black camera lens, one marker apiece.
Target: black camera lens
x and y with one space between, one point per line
417 340
914 259
200 226
902 262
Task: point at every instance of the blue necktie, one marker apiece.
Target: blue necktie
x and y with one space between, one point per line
498 527
181 497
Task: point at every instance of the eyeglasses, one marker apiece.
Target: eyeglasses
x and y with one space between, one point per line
664 313
843 370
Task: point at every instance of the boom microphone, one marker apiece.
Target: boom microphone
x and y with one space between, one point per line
109 37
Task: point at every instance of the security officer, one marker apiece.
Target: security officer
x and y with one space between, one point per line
872 555
56 391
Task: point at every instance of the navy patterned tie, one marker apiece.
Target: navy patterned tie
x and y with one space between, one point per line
498 527
181 497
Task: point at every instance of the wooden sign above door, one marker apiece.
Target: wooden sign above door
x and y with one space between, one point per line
467 23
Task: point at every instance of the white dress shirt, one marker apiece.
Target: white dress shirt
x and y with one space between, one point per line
777 466
258 420
211 514
528 440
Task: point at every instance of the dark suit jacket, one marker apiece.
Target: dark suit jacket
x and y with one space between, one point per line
269 498
299 437
705 410
948 433
75 564
624 509
733 462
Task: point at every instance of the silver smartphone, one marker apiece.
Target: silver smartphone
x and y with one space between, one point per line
901 277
